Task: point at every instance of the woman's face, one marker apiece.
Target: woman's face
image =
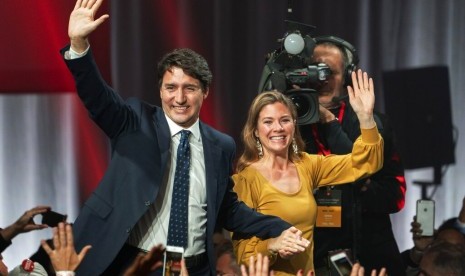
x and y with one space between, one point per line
275 129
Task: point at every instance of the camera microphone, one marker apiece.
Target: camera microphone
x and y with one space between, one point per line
338 99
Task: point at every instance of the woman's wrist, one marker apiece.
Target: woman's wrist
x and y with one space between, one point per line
271 246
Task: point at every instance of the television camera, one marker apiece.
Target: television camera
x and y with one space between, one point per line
289 69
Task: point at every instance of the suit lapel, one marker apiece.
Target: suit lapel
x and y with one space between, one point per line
164 139
212 162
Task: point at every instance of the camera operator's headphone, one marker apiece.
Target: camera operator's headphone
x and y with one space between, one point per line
349 51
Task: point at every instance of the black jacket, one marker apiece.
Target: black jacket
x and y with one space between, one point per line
366 226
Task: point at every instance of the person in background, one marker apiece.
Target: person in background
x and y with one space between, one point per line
28 268
275 177
226 263
25 223
443 258
168 181
260 267
449 231
361 224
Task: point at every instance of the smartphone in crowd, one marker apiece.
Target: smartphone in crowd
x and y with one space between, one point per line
425 216
341 263
172 261
52 218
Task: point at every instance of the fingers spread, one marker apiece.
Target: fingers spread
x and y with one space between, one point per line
46 247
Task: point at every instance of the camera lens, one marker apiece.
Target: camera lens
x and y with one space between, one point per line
306 103
302 105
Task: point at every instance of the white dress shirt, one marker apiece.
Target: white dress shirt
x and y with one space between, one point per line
152 228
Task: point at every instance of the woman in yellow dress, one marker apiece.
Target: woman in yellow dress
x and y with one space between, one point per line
275 177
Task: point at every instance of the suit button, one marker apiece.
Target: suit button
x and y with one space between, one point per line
147 203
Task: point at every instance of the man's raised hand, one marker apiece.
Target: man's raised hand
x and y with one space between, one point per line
82 23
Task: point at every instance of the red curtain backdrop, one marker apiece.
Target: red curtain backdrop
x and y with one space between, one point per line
32 34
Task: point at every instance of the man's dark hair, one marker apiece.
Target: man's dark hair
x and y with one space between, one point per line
225 248
190 62
449 224
448 258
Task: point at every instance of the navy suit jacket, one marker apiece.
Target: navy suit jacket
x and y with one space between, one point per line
140 141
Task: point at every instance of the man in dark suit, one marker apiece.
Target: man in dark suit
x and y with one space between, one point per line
130 210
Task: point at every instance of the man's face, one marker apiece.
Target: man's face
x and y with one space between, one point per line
181 97
334 86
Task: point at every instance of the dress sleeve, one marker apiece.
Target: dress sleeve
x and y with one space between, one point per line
245 247
366 159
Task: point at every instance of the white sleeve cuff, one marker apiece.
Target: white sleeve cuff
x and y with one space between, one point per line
71 54
65 273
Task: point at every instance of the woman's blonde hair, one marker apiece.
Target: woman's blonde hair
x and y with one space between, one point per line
250 153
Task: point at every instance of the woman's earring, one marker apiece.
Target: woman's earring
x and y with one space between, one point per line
295 148
259 147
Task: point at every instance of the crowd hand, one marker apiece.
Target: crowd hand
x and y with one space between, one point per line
145 264
259 268
462 212
82 23
301 273
63 256
362 98
326 116
25 223
358 270
289 243
420 242
184 271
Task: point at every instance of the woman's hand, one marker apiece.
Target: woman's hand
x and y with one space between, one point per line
289 243
362 98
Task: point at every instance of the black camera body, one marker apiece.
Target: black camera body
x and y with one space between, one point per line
291 72
309 75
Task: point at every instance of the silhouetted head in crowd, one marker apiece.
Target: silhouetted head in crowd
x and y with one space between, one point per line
226 263
443 258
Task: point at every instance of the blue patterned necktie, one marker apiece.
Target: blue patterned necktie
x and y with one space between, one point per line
177 229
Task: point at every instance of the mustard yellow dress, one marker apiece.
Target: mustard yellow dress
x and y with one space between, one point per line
299 209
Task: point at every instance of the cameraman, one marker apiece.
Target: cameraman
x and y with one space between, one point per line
362 225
